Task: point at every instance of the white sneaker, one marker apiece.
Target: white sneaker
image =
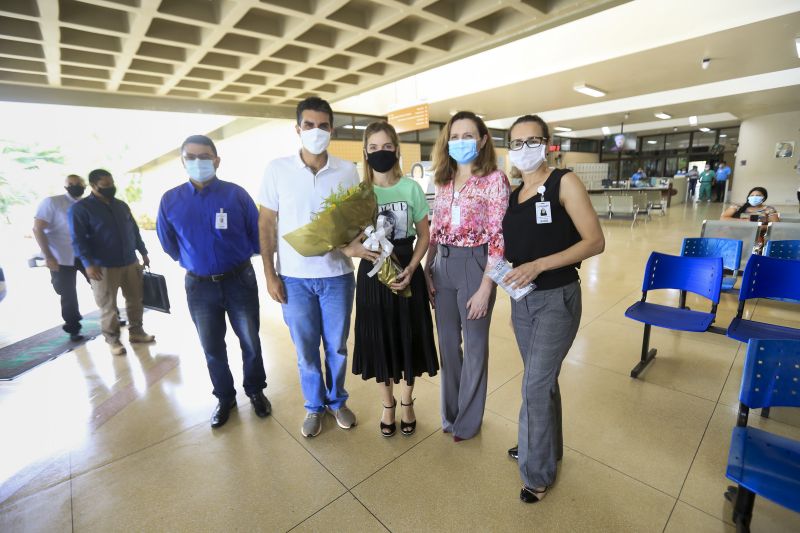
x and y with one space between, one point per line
344 417
312 425
116 348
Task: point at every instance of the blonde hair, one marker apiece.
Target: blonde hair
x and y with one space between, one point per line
444 166
377 127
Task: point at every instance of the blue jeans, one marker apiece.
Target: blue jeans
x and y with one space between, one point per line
320 308
208 303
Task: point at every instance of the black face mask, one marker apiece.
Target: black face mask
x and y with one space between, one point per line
382 160
108 192
76 191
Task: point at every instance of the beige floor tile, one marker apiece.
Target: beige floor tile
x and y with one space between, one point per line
706 482
473 486
686 518
345 515
27 480
47 511
643 430
730 392
353 455
682 363
244 476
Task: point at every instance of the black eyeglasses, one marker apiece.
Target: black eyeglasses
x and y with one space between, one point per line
532 142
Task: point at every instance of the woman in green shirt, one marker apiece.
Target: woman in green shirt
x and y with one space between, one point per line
394 334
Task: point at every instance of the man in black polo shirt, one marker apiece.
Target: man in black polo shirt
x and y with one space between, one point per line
106 239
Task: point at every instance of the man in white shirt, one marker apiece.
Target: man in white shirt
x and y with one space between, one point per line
51 231
316 293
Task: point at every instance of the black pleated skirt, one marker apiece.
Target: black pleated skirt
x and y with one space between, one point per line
393 334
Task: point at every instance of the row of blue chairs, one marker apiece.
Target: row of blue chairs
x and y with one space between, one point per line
760 462
764 277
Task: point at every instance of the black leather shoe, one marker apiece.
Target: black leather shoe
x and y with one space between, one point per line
76 337
222 412
529 495
261 405
514 453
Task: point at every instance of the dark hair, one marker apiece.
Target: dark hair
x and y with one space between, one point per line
531 118
314 103
98 174
444 166
746 203
199 139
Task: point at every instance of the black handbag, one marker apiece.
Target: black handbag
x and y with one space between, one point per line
154 292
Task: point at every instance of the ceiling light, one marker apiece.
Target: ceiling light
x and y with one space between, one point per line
693 120
588 90
705 130
606 130
723 135
663 116
652 142
357 126
562 128
797 45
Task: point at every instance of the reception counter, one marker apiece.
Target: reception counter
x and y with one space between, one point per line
673 193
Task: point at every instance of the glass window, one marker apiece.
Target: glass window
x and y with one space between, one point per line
499 137
671 166
408 137
431 134
653 167
704 139
729 138
653 144
677 141
342 126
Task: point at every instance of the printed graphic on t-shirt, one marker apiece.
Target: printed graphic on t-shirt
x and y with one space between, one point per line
396 214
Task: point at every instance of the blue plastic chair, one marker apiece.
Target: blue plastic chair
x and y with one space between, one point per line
760 462
730 250
700 275
766 277
783 249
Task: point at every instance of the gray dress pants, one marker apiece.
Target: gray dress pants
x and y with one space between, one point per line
457 274
545 324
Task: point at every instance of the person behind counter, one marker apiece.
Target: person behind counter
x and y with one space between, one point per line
549 228
754 209
638 179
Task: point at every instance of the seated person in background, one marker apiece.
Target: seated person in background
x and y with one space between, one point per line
638 178
754 209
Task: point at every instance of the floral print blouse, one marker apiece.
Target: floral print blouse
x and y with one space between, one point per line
482 203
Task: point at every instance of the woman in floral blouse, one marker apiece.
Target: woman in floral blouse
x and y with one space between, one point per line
466 241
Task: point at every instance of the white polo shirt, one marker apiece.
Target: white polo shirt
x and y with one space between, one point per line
291 188
53 210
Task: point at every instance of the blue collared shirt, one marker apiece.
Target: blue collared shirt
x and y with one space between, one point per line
190 232
723 173
103 234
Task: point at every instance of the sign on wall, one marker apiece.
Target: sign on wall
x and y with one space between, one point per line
410 119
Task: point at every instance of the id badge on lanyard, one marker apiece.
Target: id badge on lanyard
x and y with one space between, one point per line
455 211
221 220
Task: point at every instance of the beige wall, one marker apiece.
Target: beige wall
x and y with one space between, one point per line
570 159
757 138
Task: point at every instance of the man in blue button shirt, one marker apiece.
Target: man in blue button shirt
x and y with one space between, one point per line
105 237
723 172
210 227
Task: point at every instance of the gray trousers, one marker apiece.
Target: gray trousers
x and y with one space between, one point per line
545 324
457 274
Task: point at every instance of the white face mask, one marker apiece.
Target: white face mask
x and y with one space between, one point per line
527 159
315 141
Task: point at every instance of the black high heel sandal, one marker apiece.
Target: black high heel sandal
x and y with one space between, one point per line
388 430
408 428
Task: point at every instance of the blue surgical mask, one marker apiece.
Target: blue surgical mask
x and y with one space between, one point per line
755 200
463 150
200 170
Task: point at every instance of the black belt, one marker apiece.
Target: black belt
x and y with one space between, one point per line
219 277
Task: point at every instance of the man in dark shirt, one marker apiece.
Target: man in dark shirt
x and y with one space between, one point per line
106 238
210 227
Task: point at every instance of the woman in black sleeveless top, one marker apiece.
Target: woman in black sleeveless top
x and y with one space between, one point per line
549 228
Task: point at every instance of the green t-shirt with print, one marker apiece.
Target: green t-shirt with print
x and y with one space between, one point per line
403 204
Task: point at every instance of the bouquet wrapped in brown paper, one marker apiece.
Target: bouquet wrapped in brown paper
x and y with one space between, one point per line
386 267
343 216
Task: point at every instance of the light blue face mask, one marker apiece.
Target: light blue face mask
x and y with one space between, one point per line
463 150
200 170
755 200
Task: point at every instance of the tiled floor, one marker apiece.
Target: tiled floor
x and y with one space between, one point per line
93 442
